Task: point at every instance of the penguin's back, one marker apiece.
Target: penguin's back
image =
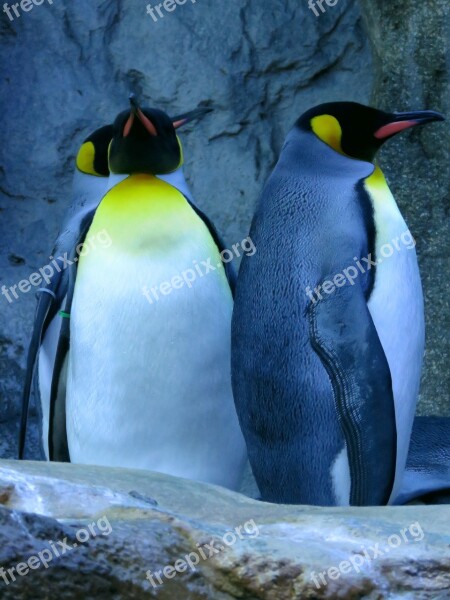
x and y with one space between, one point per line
308 226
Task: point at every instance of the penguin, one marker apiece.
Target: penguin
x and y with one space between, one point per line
90 182
89 185
328 331
148 382
427 474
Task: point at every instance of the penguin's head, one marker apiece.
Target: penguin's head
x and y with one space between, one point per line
92 157
145 140
359 131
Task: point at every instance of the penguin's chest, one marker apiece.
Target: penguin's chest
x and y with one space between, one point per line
396 307
152 310
396 302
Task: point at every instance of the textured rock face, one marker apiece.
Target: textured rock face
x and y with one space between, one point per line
113 527
70 68
410 42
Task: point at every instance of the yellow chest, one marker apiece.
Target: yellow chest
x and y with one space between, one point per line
144 212
388 219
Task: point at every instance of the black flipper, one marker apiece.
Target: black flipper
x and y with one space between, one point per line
50 302
427 475
57 434
230 272
45 311
58 448
50 299
344 336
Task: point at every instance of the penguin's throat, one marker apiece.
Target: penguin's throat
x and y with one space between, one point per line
377 179
143 211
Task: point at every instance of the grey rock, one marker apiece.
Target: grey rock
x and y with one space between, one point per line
273 555
410 43
70 68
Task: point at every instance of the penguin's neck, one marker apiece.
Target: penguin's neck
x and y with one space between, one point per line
175 179
316 156
115 180
143 210
87 191
389 222
379 191
377 179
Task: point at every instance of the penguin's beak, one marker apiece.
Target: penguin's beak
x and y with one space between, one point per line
198 113
136 112
405 120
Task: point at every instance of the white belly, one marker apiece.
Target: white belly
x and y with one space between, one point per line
87 193
396 306
149 384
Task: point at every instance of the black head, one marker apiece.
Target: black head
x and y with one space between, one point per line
92 157
145 140
359 131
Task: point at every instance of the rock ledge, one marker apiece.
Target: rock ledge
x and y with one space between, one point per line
120 532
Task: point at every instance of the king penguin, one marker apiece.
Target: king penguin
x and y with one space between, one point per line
148 382
326 381
90 183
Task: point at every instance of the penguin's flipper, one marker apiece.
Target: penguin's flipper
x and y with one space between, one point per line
57 434
230 271
45 311
427 475
50 301
344 336
58 448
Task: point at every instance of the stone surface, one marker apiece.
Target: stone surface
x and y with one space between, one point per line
70 68
273 558
411 43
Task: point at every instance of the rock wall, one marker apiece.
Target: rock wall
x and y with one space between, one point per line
411 44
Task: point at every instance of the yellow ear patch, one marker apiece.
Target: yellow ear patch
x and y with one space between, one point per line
327 128
85 159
